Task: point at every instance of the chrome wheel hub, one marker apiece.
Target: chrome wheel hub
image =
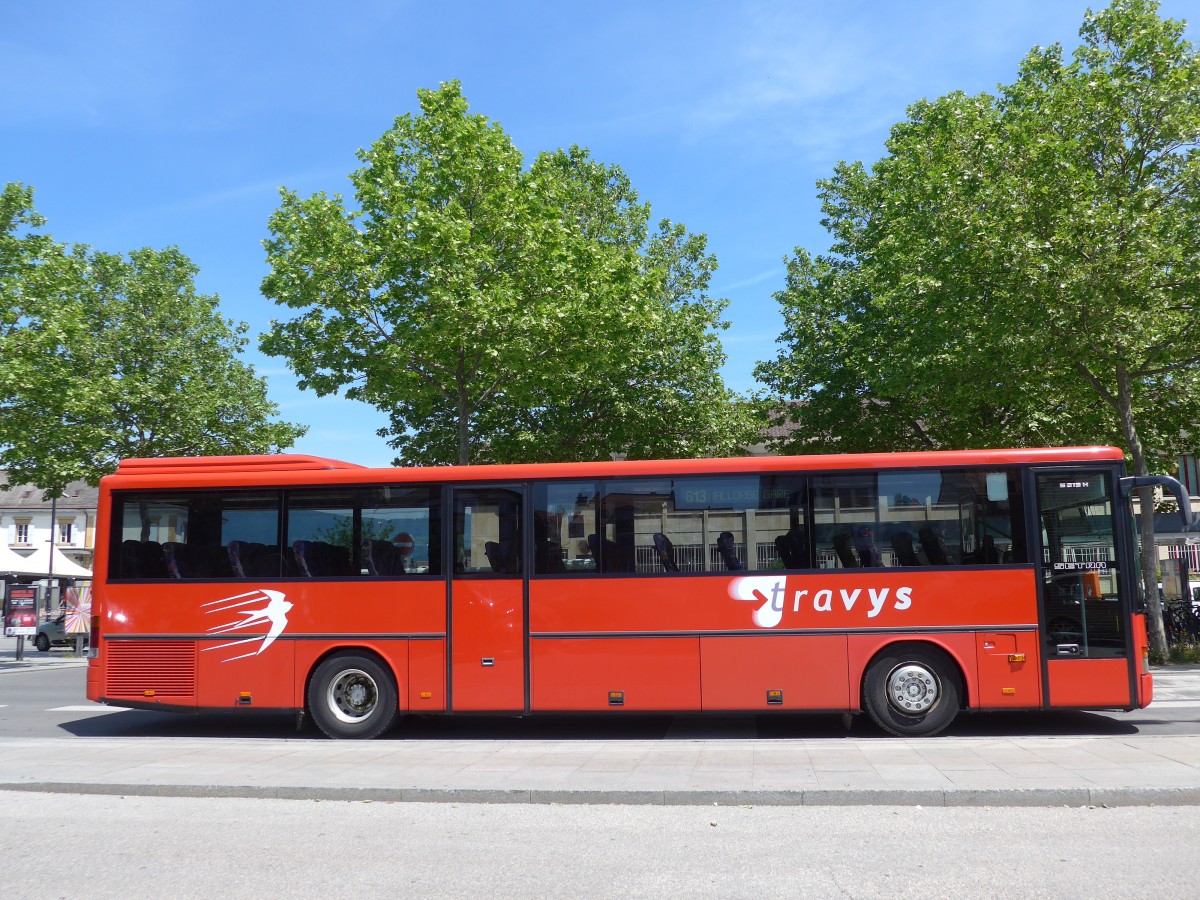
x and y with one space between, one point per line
912 689
352 696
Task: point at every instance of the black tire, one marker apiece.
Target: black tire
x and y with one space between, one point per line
41 642
912 691
352 696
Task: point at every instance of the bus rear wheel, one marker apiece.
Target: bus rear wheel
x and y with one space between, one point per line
911 691
352 696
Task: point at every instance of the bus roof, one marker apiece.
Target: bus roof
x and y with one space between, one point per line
282 469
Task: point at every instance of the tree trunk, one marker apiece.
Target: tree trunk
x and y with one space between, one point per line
1149 550
464 412
464 433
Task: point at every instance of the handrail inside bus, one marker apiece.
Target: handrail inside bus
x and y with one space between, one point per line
1133 482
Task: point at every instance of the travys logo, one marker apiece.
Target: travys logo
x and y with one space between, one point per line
771 594
268 608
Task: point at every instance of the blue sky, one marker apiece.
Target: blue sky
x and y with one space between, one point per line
166 123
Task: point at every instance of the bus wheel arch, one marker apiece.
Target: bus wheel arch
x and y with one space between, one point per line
913 689
352 693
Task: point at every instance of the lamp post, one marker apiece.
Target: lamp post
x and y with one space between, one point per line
50 565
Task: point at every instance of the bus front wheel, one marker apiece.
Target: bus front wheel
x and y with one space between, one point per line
911 691
352 696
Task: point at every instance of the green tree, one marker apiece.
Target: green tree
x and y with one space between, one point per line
497 312
110 356
1021 268
21 250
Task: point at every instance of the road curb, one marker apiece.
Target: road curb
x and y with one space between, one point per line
1001 797
10 665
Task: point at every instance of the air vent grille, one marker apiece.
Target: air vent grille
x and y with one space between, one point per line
165 668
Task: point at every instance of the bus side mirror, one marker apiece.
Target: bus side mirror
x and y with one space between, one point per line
1133 482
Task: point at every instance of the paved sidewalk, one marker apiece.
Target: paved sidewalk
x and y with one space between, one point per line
986 771
34 659
1100 770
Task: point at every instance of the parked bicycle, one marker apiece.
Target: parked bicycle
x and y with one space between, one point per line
1181 622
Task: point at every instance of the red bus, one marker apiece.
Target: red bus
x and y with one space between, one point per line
910 586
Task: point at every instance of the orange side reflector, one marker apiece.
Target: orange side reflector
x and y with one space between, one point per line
147 693
1016 657
1007 691
426 695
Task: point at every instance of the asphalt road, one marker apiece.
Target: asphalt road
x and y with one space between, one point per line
56 846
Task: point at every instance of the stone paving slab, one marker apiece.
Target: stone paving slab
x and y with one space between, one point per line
938 772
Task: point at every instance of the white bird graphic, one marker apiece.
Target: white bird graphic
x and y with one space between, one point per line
275 612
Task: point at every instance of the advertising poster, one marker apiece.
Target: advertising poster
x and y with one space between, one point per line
20 610
77 607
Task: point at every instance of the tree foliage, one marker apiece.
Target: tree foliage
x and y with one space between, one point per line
499 312
109 356
1020 268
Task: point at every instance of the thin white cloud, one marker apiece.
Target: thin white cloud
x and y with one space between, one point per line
775 272
824 81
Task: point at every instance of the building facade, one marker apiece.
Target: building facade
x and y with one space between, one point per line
29 521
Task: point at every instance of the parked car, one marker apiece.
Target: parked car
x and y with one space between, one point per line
54 632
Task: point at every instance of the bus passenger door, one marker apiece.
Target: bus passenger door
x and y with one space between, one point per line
1085 611
487 601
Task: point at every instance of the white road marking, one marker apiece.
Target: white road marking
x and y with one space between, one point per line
95 709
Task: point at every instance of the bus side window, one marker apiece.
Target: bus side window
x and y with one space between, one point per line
565 539
902 547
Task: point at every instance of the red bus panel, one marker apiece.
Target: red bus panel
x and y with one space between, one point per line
426 676
595 673
1090 683
833 600
488 644
237 676
1009 670
1141 649
807 671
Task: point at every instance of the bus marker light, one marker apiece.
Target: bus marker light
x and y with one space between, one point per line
616 698
426 695
147 693
1008 691
775 698
1016 657
244 698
